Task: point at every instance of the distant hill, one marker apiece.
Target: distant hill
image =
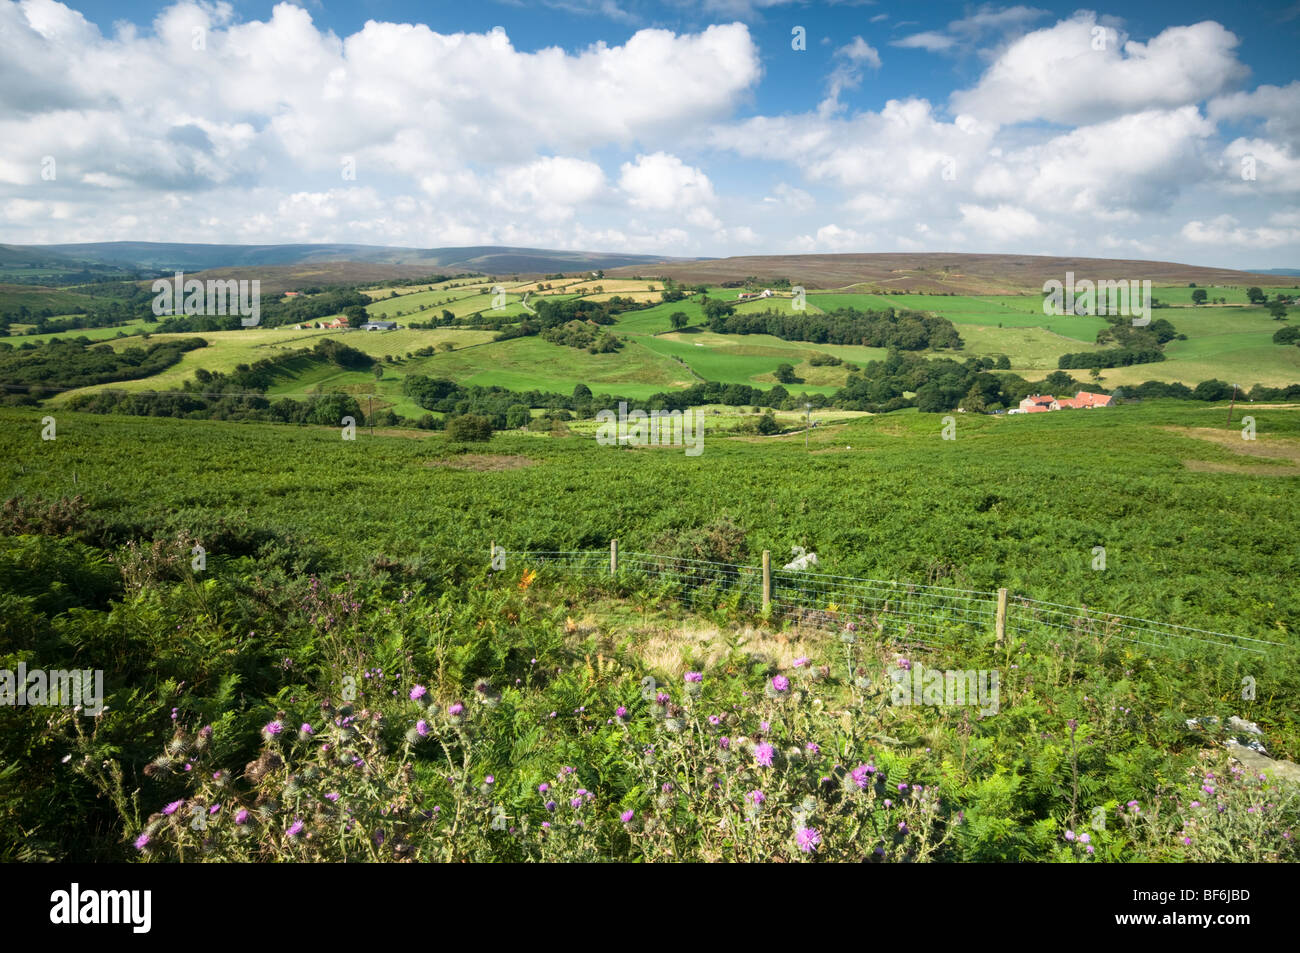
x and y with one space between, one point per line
938 273
1279 271
172 256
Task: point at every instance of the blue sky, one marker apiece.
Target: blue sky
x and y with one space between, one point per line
1161 130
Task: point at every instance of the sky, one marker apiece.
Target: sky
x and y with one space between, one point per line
1166 131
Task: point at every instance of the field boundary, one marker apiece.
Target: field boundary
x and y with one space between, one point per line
911 614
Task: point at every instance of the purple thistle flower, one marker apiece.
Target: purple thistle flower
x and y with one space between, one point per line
694 676
763 754
418 692
800 662
455 708
214 808
808 838
273 728
626 816
332 796
173 806
142 842
294 829
764 727
813 748
620 712
1084 838
905 664
1090 849
715 720
780 683
422 728
1187 841
756 797
543 788
724 743
575 803
1069 835
242 816
550 805
862 774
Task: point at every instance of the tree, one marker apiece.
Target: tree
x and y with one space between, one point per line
1255 295
518 415
1003 363
785 374
581 392
678 319
767 424
973 402
356 315
1278 310
469 428
1199 296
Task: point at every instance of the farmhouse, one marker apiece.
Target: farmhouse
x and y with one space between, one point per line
1084 400
746 295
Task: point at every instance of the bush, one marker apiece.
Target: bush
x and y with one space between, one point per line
469 428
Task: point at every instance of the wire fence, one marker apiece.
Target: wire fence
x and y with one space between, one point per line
907 614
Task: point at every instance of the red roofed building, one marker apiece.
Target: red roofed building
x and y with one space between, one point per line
1084 400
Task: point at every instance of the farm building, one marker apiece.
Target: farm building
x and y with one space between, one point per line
379 326
1084 400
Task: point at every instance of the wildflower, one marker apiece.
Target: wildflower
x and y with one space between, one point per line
724 743
1133 806
332 796
173 806
763 754
862 773
455 708
1084 838
482 687
1196 804
142 842
550 805
418 692
241 817
695 677
764 727
800 662
902 826
272 729
543 788
305 732
1187 841
903 786
756 797
546 825
888 803
812 747
214 809
422 728
780 683
1070 835
620 712
626 816
905 664
715 720
294 829
808 838
575 803
490 779
662 698
1090 849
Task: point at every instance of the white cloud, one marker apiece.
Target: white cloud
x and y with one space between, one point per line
1057 74
832 238
662 182
1224 230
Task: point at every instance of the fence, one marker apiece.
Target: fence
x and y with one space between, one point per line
905 613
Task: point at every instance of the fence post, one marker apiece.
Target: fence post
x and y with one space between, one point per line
1001 624
613 557
767 580
492 554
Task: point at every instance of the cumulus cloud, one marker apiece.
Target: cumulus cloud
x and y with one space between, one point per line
1081 71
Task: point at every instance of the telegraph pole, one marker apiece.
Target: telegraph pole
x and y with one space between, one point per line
1231 403
807 423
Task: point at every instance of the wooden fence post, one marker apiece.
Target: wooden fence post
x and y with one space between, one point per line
613 557
492 554
1001 624
767 580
